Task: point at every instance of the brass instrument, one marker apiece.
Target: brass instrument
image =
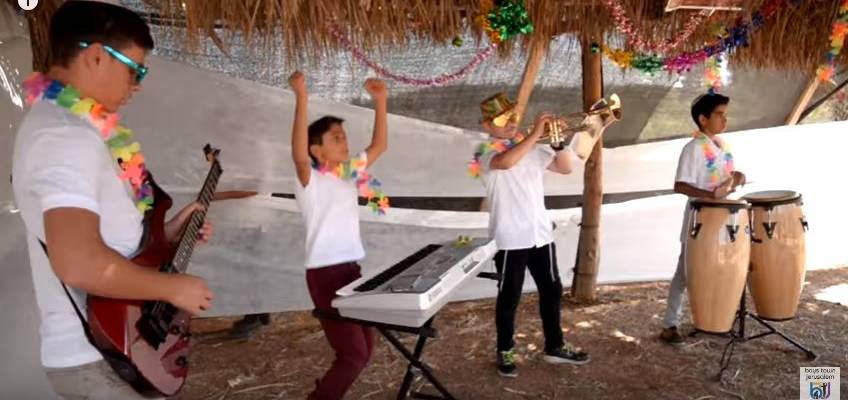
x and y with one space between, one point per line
592 123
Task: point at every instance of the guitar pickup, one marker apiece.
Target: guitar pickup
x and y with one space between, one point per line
154 327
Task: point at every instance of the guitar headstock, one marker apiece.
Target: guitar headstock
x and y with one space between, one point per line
211 153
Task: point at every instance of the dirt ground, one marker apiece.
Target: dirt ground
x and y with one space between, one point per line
620 331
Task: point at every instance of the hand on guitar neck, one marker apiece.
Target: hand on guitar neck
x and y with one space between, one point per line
174 227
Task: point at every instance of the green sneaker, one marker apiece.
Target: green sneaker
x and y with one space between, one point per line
506 364
566 354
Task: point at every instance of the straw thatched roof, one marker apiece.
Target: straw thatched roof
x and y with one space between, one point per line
795 38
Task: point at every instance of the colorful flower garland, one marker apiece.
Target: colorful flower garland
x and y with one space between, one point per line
712 73
440 80
368 186
634 37
736 36
837 39
712 165
127 154
504 19
496 145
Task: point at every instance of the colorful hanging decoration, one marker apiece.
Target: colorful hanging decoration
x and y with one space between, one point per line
837 39
496 145
440 80
119 139
635 37
504 19
729 40
710 155
368 186
712 73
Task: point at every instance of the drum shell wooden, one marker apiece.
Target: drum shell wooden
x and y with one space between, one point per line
778 261
716 262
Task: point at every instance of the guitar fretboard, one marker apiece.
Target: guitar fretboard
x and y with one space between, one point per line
190 234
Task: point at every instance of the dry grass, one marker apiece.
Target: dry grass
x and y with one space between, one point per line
796 38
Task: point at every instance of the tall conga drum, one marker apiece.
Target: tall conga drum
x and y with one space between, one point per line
778 253
718 250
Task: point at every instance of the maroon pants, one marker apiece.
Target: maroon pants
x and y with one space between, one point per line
352 343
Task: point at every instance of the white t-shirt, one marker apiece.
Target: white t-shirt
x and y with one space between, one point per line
331 215
517 217
60 161
692 169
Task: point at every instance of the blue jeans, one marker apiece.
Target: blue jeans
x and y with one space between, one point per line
676 292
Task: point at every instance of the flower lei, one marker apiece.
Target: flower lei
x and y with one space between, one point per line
712 165
126 153
369 187
497 145
837 40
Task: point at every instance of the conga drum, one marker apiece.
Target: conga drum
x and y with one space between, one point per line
717 254
778 253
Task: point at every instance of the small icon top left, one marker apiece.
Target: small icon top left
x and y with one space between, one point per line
28 5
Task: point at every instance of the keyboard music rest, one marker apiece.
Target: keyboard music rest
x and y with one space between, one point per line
412 294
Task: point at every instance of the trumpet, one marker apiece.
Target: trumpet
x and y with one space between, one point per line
564 127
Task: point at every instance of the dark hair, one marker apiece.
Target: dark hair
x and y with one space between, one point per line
94 22
705 104
317 130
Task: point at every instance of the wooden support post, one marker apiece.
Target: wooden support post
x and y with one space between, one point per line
802 102
589 246
534 63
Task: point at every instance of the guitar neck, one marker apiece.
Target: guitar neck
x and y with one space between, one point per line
190 233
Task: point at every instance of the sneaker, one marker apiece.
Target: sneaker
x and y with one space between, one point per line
243 328
566 354
672 336
506 364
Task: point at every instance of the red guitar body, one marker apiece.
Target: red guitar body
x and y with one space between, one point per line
147 342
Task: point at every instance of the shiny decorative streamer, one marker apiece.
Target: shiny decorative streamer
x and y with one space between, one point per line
737 36
634 36
504 19
440 80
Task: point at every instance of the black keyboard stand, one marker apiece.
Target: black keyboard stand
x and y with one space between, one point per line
415 366
490 275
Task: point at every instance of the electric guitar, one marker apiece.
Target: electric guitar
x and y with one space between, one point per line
147 342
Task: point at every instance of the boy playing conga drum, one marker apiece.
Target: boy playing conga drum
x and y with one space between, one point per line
704 170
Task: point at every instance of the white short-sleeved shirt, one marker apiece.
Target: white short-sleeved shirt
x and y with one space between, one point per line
60 161
692 169
331 215
517 217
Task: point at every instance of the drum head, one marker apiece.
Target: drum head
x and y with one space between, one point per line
715 203
767 197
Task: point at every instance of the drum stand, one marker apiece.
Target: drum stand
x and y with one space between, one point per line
738 335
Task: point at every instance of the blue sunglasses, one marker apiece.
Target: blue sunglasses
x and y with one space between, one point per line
140 70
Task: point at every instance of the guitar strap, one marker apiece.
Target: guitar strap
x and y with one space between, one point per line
82 319
119 362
